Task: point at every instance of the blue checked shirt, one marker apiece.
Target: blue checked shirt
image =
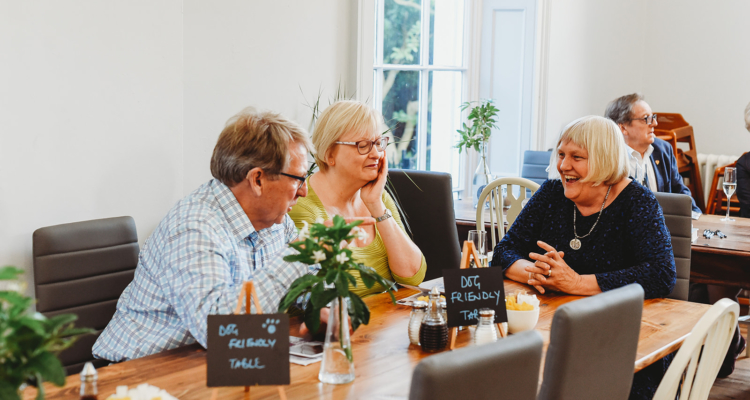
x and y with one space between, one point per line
194 265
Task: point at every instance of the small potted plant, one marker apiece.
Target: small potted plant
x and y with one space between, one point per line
30 341
483 118
330 287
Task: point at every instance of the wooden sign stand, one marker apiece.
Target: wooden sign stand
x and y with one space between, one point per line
248 291
470 251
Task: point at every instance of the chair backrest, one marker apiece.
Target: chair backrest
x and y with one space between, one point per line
592 348
82 268
677 209
717 200
506 369
696 364
493 194
535 165
426 201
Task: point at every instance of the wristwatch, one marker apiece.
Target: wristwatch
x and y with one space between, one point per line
387 214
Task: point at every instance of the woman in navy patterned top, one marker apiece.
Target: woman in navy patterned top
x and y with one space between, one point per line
592 228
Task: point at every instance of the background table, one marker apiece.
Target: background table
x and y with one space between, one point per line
721 261
383 358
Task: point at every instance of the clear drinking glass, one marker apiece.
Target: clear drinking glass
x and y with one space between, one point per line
730 185
480 243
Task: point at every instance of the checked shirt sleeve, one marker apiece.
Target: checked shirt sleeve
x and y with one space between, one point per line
199 279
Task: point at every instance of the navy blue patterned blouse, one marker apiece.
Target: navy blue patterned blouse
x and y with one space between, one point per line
630 243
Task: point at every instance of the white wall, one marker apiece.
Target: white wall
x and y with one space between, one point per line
113 108
686 56
266 54
90 115
590 58
700 67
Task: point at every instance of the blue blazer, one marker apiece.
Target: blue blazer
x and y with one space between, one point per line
668 178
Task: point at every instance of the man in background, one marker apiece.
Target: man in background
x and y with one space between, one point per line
232 229
652 160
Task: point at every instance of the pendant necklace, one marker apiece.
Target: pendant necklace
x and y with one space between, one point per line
575 244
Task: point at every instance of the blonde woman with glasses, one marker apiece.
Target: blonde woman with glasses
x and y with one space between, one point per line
352 171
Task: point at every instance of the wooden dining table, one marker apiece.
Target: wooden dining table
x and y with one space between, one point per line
721 261
383 356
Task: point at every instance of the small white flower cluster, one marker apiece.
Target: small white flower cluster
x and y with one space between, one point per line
359 233
144 391
304 233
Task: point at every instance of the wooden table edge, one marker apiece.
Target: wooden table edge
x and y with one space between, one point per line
649 359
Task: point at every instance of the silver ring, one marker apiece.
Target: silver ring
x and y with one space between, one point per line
550 273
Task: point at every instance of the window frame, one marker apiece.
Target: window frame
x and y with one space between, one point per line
367 69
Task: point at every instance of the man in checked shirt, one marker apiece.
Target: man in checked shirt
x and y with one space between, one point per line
232 229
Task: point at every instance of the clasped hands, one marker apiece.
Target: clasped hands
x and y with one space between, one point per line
550 271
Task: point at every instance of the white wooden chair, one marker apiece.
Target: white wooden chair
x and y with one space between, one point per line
496 201
696 364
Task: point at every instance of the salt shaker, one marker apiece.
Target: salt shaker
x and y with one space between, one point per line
89 390
418 312
485 332
433 334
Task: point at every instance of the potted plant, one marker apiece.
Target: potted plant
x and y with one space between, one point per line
330 287
483 118
29 341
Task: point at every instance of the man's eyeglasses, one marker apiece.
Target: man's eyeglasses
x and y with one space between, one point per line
301 179
364 146
649 119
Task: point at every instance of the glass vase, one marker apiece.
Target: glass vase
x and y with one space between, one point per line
337 366
482 175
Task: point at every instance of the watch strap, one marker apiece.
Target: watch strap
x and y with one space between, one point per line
386 214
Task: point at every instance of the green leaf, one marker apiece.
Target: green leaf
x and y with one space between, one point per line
9 273
298 287
359 312
312 317
367 279
331 276
8 391
16 299
33 324
49 367
342 285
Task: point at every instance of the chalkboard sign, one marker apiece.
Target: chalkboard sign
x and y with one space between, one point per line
249 349
468 290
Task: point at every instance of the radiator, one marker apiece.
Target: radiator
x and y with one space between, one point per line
707 163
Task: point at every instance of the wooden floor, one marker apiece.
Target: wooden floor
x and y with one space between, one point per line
737 385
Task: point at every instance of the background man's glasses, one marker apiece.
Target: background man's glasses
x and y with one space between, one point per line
364 146
649 119
301 179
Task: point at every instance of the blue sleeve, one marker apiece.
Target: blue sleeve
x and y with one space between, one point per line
521 238
651 246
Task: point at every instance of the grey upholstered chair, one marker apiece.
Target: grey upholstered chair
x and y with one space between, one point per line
535 165
82 268
426 199
506 369
592 348
677 210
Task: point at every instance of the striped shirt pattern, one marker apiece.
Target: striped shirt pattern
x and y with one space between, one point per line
193 265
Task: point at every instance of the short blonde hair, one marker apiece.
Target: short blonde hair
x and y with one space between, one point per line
602 139
747 117
253 139
337 120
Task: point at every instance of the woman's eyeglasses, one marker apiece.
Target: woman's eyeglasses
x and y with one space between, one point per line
364 146
649 119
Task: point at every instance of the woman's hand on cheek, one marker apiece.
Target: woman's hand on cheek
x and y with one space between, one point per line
372 192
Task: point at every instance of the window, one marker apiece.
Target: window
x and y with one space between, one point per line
419 76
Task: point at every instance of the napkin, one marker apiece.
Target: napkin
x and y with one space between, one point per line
529 299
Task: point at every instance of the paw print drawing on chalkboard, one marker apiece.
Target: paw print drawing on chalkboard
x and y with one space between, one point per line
271 324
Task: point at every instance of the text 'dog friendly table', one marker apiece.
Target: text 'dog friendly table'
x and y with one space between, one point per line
383 358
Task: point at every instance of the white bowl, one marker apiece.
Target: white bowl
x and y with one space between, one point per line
519 321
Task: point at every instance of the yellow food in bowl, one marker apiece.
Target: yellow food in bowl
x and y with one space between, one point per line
510 304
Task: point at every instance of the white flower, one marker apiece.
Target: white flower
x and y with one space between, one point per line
359 233
304 233
319 220
319 255
341 258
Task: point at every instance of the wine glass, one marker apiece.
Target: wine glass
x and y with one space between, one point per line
480 243
730 185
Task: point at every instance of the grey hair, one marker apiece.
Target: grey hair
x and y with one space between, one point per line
621 108
747 117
